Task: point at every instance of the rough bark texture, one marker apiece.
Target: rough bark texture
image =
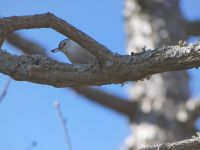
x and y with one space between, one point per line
153 24
40 69
189 144
160 112
117 104
48 20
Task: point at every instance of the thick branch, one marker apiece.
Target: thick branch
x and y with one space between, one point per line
27 46
48 20
193 28
114 102
107 100
189 144
39 69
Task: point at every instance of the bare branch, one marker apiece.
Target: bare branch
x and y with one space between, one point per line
27 46
5 89
48 20
193 111
189 144
40 69
32 145
64 125
2 39
193 28
115 103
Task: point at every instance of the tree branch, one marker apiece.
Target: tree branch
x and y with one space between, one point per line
2 39
193 110
40 69
193 28
48 20
115 103
189 144
27 46
5 89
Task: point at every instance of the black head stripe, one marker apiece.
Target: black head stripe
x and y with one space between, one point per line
59 46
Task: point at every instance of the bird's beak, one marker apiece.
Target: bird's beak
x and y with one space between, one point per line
55 50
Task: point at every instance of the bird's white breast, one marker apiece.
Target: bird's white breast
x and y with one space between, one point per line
77 54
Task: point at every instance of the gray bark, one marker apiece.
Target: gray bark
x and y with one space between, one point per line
43 70
153 24
160 111
189 144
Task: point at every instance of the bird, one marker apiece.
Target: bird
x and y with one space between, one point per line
74 52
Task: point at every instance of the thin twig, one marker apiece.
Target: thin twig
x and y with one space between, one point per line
63 121
31 146
5 89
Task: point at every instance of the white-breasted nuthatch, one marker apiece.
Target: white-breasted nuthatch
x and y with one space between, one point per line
74 52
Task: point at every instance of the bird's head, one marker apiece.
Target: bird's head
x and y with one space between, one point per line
61 46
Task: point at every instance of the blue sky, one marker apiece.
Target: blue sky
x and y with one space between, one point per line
27 113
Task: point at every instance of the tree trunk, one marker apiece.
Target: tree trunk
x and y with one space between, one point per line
152 24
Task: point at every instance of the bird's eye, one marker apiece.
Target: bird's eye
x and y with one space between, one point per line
63 44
